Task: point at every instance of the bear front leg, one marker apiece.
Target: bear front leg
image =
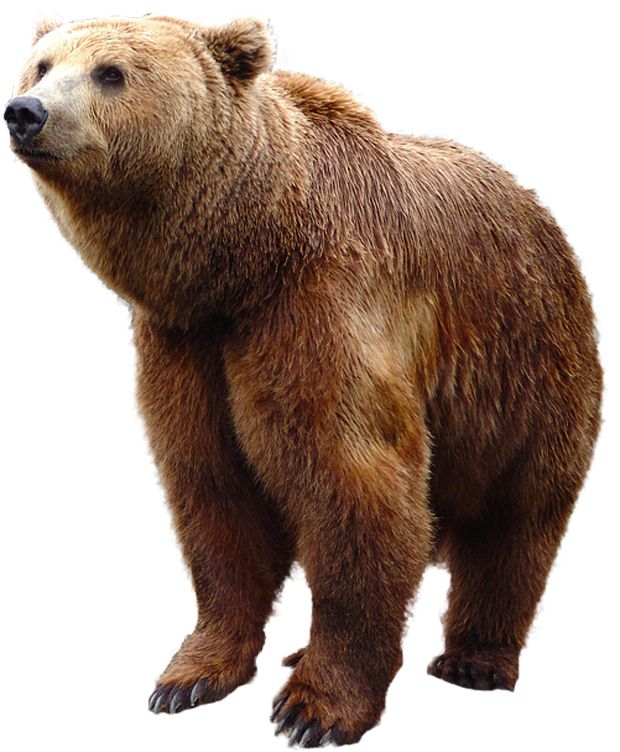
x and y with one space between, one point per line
230 532
364 553
345 451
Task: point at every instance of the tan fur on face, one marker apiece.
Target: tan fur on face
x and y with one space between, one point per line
355 349
84 117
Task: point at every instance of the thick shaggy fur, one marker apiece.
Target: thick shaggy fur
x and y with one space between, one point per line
357 350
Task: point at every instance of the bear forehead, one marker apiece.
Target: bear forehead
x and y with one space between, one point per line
117 36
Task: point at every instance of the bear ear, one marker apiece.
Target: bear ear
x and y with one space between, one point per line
44 26
242 48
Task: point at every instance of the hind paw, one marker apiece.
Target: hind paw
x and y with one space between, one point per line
473 670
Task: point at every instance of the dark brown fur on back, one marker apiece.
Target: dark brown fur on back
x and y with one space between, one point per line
358 350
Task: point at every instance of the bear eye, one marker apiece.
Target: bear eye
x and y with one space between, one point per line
42 69
109 76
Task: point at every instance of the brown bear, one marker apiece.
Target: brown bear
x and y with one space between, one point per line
357 350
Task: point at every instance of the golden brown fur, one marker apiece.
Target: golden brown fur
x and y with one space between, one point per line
358 350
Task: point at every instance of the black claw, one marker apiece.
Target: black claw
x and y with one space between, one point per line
293 659
280 726
480 681
177 701
287 718
160 703
327 737
298 730
312 735
277 704
464 675
451 670
153 699
500 680
482 677
195 697
436 666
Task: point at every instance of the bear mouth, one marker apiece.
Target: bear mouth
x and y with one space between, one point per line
36 154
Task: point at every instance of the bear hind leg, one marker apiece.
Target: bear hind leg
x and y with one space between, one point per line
499 567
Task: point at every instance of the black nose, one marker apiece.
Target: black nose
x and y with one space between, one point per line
25 117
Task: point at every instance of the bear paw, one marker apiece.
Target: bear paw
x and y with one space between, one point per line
312 711
205 670
473 670
299 720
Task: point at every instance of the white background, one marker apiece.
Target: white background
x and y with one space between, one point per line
94 595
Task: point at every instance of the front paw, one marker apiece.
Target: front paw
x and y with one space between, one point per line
206 669
303 722
323 703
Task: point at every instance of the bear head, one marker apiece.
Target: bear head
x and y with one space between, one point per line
117 100
142 137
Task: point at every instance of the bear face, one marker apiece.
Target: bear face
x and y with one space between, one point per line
122 98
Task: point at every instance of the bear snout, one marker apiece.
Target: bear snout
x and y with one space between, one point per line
25 117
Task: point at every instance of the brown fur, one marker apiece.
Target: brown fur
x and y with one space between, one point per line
359 350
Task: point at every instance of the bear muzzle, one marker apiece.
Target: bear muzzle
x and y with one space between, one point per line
25 118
